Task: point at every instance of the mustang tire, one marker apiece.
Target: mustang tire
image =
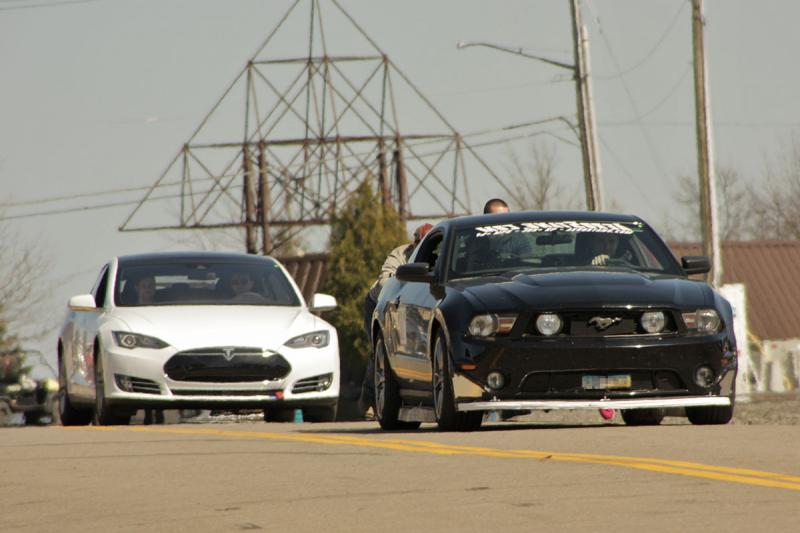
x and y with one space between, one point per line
444 405
643 417
387 394
68 413
715 414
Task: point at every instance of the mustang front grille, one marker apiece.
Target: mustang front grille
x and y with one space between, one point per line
227 365
602 323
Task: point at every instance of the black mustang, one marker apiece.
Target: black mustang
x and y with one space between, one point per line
550 310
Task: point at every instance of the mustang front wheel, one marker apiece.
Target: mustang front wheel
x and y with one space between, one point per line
444 405
387 395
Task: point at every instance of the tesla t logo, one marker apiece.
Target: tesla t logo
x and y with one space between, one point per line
602 323
229 353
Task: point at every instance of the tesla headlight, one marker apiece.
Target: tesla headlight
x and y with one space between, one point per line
653 321
126 339
315 339
491 324
548 324
702 321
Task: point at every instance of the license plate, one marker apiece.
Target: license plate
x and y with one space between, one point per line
617 381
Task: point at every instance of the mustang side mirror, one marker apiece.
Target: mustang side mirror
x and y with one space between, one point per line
695 264
322 302
414 272
83 302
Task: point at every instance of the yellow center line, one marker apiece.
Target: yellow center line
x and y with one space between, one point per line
684 468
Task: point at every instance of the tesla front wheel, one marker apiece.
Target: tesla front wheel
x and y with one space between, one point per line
444 405
104 414
68 413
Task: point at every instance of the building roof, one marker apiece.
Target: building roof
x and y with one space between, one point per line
309 272
770 270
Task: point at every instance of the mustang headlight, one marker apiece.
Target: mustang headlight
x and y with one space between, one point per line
548 324
491 324
653 321
702 321
315 339
126 339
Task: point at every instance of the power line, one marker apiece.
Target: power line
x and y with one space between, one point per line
652 50
648 140
46 4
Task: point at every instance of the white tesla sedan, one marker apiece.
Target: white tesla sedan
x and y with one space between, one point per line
196 330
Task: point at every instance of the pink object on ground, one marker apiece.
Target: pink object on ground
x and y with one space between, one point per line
607 414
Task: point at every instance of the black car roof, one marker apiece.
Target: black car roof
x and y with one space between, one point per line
174 257
536 216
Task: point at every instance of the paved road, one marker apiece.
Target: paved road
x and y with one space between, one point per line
351 477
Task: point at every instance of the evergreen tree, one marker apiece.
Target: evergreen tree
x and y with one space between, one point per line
12 356
363 233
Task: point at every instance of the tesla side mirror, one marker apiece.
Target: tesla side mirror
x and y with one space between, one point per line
414 272
323 302
83 302
695 264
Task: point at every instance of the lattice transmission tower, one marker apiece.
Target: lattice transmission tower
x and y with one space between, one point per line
293 137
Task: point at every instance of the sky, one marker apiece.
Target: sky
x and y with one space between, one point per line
98 96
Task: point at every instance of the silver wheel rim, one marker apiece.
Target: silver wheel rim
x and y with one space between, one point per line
438 378
380 380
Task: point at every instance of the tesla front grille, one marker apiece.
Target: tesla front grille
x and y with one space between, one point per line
316 383
227 364
218 392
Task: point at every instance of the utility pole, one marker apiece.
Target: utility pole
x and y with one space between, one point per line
585 105
705 159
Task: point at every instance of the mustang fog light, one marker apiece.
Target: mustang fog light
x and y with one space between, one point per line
704 376
495 380
548 324
707 321
483 326
653 321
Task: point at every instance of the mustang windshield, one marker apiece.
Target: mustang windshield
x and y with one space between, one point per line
203 283
563 244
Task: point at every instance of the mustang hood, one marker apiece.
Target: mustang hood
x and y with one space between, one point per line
186 327
585 288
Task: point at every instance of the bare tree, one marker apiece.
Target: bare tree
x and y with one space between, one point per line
23 292
734 207
775 202
534 181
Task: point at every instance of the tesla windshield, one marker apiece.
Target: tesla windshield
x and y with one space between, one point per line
203 283
562 244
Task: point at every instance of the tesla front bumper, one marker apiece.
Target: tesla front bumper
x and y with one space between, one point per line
247 377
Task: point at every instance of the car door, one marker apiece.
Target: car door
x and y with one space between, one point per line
415 305
80 366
